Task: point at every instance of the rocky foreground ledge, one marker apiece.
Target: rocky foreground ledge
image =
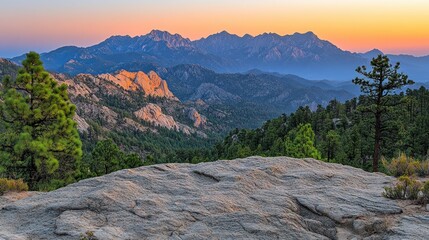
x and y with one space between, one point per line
252 198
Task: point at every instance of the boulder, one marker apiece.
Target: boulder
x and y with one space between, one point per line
252 198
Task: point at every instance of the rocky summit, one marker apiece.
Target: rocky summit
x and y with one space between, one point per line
252 198
150 83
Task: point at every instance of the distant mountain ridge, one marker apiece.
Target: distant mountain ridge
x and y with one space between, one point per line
278 93
304 55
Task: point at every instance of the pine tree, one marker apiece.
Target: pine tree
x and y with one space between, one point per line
331 144
377 85
107 157
39 140
300 143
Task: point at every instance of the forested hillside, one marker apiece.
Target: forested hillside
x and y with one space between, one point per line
343 134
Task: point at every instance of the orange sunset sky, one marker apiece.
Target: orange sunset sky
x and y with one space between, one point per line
358 26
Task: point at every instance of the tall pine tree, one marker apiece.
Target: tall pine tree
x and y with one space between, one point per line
377 85
39 140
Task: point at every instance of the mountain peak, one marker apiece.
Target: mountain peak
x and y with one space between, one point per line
224 32
269 35
372 54
164 34
113 37
375 51
222 35
172 40
308 34
157 33
309 40
118 40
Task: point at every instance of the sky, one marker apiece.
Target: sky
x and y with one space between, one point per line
399 27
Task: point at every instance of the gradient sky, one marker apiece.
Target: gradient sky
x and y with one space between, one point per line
354 25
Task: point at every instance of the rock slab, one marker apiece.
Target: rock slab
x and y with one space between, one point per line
252 198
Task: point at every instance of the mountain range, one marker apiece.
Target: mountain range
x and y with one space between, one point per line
305 55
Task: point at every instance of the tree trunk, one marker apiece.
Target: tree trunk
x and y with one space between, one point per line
32 169
377 139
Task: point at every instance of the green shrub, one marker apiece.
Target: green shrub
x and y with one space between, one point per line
11 185
405 188
424 199
413 189
395 192
423 169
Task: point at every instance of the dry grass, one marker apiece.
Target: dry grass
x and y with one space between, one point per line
10 185
408 166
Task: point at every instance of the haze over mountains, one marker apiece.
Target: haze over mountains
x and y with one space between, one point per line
222 80
305 55
277 93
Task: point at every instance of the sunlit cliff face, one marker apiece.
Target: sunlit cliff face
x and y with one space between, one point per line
150 83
